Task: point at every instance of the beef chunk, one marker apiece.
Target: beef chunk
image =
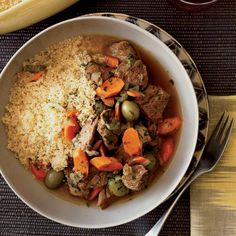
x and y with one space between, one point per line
143 133
94 73
99 58
98 73
102 198
86 136
103 179
122 69
78 192
105 198
108 128
92 68
99 107
77 184
80 185
153 102
152 129
135 177
34 68
107 73
98 180
122 50
111 123
137 75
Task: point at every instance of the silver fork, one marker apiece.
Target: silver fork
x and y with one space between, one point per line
210 157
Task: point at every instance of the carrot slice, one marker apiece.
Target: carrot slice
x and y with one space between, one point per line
70 128
98 162
138 160
109 101
36 76
81 161
117 111
113 159
114 166
131 142
167 149
94 192
134 94
110 87
112 61
169 126
102 150
106 164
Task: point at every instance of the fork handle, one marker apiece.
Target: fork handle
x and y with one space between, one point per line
156 229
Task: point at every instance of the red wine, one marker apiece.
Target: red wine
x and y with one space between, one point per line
198 1
192 5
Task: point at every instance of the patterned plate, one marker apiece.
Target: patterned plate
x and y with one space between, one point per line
193 73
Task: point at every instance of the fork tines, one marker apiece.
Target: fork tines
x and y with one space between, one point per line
220 131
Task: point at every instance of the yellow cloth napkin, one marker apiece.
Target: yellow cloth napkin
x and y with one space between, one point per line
213 196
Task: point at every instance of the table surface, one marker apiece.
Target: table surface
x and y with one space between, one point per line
213 201
209 37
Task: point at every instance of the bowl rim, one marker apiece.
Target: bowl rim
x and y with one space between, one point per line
94 225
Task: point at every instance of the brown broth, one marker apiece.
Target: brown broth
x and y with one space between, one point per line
157 76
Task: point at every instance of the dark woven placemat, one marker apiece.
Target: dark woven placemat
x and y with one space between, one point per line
209 37
18 219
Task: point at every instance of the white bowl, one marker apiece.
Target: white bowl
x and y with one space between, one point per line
37 196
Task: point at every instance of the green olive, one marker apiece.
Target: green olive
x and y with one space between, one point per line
130 110
152 159
117 188
53 179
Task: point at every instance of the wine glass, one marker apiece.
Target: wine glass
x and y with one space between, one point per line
192 5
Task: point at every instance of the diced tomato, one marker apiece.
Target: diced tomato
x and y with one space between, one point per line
70 128
72 113
169 126
167 149
102 150
94 192
36 76
97 144
38 171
